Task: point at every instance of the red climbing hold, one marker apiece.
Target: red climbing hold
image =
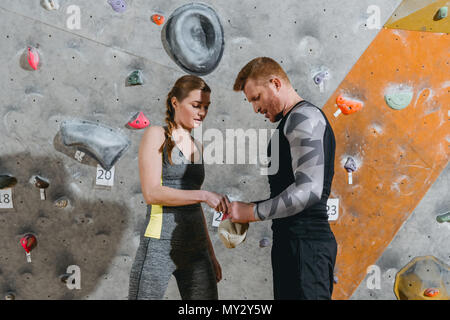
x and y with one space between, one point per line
33 57
139 121
28 242
431 292
158 19
348 106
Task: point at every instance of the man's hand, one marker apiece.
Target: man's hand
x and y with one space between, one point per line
241 212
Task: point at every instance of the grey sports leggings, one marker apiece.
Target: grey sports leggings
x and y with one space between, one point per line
157 259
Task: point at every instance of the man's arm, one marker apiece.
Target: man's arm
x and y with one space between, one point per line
304 129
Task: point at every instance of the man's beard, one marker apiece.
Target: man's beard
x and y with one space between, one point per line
279 116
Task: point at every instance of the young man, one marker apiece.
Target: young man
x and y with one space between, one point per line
304 248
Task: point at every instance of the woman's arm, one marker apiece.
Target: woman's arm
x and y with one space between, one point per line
150 170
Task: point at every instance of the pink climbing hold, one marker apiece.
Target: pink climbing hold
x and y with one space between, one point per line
33 58
139 121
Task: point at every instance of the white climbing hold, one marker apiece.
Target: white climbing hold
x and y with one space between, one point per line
50 4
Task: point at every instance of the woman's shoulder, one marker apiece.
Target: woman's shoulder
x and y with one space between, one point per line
155 130
155 133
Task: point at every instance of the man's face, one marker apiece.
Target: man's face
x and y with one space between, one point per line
264 97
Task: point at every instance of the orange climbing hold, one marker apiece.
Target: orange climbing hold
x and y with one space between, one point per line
158 19
431 292
348 106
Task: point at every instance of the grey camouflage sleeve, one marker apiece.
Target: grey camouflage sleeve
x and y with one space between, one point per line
304 129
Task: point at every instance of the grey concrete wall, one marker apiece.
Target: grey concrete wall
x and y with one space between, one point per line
83 74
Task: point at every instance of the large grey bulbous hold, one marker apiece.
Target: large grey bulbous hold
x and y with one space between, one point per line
104 144
193 38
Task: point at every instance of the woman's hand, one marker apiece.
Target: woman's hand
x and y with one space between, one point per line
217 268
217 201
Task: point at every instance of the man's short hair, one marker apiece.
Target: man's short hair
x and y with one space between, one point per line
259 68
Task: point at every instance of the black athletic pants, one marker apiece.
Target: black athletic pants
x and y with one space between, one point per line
303 268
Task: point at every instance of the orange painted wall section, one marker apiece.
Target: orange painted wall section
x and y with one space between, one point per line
400 153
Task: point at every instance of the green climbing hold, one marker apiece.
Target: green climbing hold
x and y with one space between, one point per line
399 100
135 78
443 217
442 13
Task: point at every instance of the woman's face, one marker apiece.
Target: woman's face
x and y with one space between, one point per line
192 110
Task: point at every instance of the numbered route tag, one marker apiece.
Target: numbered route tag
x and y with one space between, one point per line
333 209
321 86
6 199
217 218
104 177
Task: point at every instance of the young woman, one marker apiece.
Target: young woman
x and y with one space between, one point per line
174 239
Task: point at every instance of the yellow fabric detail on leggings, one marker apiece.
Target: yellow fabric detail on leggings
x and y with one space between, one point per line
155 224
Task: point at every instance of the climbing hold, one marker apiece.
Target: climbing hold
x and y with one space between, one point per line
193 38
61 203
399 100
10 296
423 278
264 242
350 166
319 77
104 144
33 57
139 121
445 217
431 292
64 277
347 106
135 78
335 279
50 4
7 181
40 183
118 5
28 242
158 19
442 13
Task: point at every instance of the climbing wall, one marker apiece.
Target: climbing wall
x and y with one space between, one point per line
421 15
426 230
83 74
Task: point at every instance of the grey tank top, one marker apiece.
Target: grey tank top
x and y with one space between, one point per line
179 223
